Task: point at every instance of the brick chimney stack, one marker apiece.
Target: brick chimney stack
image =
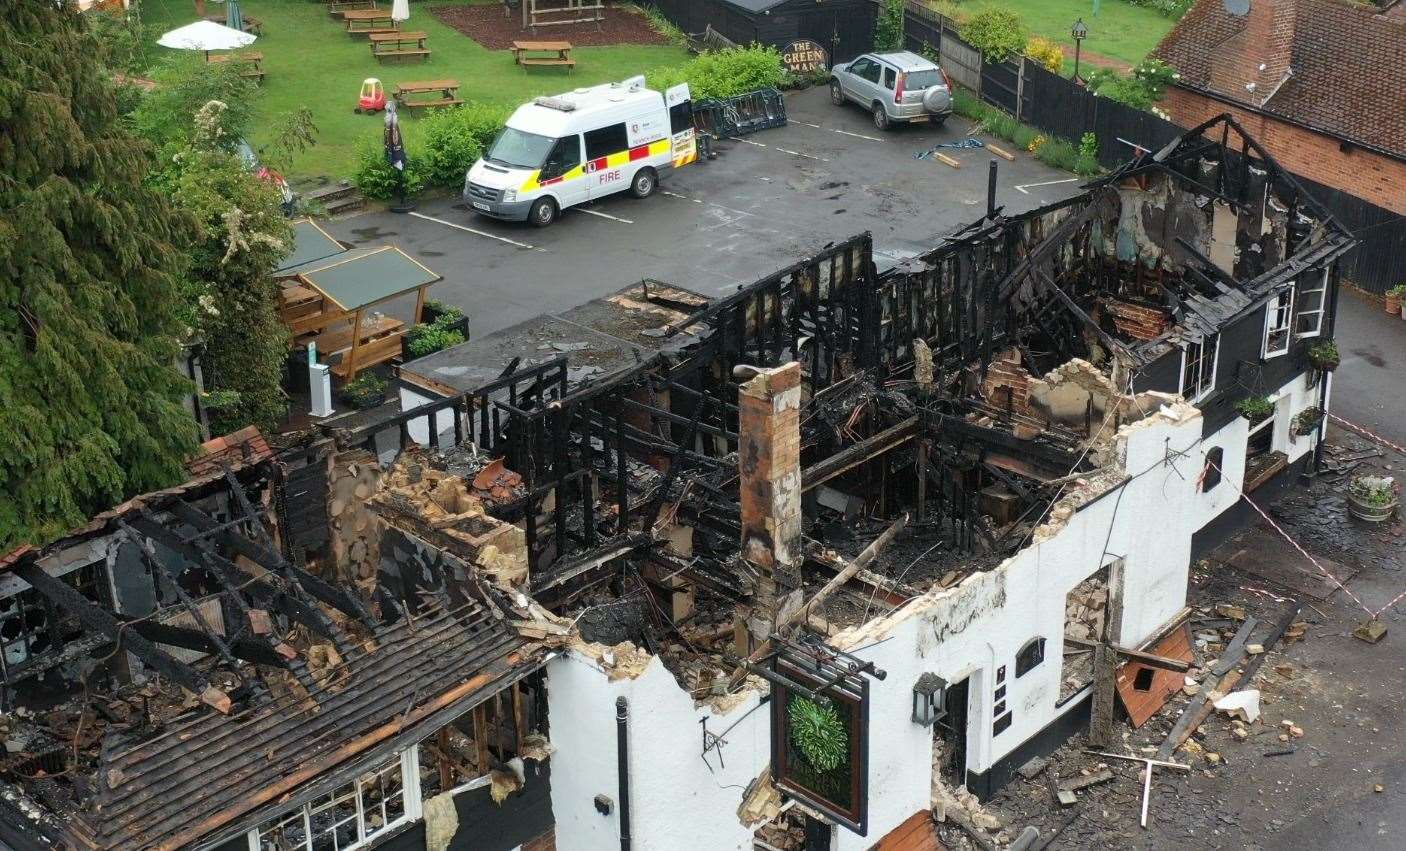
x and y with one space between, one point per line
769 465
1269 45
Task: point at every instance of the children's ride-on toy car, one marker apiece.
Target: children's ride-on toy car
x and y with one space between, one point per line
373 97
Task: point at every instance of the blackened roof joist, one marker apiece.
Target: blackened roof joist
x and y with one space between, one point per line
100 620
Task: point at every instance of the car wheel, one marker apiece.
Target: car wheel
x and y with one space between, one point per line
837 94
643 184
881 118
938 120
543 212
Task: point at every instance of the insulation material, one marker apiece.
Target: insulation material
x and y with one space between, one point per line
441 822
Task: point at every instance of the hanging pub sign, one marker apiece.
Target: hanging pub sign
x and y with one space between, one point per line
804 56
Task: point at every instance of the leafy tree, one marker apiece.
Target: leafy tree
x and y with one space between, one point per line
242 235
888 30
997 33
90 404
184 84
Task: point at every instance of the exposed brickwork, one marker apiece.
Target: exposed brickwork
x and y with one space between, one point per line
545 842
1374 178
246 446
1007 384
1138 321
769 462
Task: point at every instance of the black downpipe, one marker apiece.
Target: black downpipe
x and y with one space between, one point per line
622 742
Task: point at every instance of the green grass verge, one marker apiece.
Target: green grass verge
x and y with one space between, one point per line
1120 30
309 60
1054 151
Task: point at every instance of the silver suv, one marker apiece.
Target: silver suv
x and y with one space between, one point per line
899 86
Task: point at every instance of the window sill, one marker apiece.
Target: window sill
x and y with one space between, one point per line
1262 469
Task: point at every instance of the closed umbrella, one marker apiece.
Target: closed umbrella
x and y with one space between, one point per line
400 11
234 19
206 36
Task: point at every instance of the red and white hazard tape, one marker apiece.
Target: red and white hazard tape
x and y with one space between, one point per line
1366 433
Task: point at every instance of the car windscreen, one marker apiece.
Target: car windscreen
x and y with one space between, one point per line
519 150
923 79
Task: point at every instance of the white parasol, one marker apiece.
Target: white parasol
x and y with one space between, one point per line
206 36
400 11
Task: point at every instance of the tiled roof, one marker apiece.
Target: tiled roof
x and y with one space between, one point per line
1345 73
246 446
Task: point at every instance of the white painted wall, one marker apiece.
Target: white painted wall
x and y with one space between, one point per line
964 632
677 801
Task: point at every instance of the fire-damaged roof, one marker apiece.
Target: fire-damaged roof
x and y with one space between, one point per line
213 773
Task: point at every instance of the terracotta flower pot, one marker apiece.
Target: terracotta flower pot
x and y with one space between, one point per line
1393 304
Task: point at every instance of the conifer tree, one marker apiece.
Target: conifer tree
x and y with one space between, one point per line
90 312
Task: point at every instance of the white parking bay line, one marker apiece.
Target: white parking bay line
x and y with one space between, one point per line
477 232
680 197
837 130
801 155
606 216
1024 187
708 203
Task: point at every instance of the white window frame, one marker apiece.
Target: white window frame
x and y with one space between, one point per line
1278 319
1203 384
409 762
1322 292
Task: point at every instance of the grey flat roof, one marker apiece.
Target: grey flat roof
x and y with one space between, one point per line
310 243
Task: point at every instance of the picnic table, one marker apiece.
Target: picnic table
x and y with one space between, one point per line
397 44
558 53
336 8
251 25
253 59
368 21
338 338
448 91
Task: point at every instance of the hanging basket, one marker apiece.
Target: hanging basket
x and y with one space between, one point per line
1324 356
1306 422
1256 409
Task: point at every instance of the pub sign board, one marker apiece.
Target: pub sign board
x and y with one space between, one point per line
804 56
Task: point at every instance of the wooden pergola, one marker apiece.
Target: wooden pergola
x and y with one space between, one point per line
327 298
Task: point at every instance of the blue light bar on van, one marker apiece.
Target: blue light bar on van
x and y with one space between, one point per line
556 103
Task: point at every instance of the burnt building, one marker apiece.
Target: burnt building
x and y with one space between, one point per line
799 564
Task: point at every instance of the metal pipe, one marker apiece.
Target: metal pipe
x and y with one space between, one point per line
622 743
991 190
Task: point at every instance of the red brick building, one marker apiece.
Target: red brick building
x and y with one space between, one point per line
1320 83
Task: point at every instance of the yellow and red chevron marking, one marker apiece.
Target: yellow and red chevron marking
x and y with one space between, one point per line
640 152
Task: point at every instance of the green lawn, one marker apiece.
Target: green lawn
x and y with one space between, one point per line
309 60
1120 31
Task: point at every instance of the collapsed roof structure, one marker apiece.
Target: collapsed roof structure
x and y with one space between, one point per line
919 513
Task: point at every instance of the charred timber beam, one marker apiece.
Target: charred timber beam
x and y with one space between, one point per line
274 561
590 561
193 639
103 622
1045 247
679 419
1210 266
852 456
946 426
1073 307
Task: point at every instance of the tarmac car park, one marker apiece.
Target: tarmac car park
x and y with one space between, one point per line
766 200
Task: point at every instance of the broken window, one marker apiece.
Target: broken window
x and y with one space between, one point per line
351 815
1309 301
1278 316
1210 474
1261 437
1085 617
1198 368
1032 654
31 626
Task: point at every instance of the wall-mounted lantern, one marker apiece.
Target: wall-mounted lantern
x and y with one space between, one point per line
929 700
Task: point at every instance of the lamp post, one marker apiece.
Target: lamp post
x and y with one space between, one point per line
1079 32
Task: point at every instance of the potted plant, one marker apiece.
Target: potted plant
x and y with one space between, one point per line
1324 356
1373 498
1256 409
367 390
450 328
1306 421
434 309
1394 297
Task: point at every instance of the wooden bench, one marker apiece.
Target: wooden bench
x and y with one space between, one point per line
560 50
339 338
369 22
448 91
369 354
337 8
255 70
251 25
399 44
299 302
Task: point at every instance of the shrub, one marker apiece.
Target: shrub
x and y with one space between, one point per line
1167 8
734 71
1046 52
968 105
428 338
1059 154
450 149
997 33
375 177
1088 156
364 390
185 84
1139 88
888 30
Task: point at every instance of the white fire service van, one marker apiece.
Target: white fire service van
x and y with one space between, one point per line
556 152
